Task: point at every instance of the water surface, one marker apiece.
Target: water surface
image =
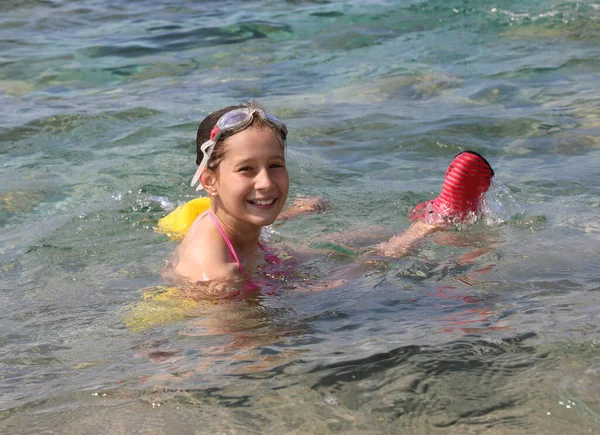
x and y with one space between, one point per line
100 105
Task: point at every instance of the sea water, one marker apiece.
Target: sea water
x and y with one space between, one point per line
492 328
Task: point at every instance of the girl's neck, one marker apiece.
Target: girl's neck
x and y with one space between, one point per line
242 235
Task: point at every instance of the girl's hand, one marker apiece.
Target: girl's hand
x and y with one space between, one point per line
315 204
304 205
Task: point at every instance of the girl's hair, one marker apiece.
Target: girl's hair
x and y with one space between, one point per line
209 123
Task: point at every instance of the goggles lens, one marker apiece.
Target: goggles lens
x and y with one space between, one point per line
235 118
240 118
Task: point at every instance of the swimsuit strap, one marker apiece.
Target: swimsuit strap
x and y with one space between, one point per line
229 245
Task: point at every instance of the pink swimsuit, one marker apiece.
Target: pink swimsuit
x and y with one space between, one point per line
273 268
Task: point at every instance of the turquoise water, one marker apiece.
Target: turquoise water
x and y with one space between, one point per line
100 103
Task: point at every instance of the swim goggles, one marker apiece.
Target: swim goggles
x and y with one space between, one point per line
234 121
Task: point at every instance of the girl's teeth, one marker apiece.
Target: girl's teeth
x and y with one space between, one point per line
268 202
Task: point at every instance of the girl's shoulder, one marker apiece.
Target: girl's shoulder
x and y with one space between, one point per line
203 255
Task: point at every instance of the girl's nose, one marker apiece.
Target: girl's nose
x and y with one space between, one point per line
263 180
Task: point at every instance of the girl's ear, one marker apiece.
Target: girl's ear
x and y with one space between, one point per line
209 180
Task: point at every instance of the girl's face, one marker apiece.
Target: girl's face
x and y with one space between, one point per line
252 181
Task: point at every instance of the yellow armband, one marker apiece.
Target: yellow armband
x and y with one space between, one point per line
177 223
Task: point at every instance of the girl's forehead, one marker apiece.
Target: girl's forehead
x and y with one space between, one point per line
253 143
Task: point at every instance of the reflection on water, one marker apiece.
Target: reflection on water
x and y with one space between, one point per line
491 328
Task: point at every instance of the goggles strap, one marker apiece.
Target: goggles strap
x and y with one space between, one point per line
214 132
207 149
196 178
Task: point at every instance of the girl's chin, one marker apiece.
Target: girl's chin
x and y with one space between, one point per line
264 216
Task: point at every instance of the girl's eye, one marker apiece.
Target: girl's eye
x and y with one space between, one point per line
277 165
244 169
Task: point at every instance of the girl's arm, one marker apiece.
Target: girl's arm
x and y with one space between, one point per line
402 243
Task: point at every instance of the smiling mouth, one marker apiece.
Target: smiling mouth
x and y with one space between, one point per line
262 202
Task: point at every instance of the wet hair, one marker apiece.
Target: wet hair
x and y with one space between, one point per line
219 151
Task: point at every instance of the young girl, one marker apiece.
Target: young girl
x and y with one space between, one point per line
242 167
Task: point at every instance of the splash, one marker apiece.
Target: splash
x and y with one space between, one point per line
500 205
